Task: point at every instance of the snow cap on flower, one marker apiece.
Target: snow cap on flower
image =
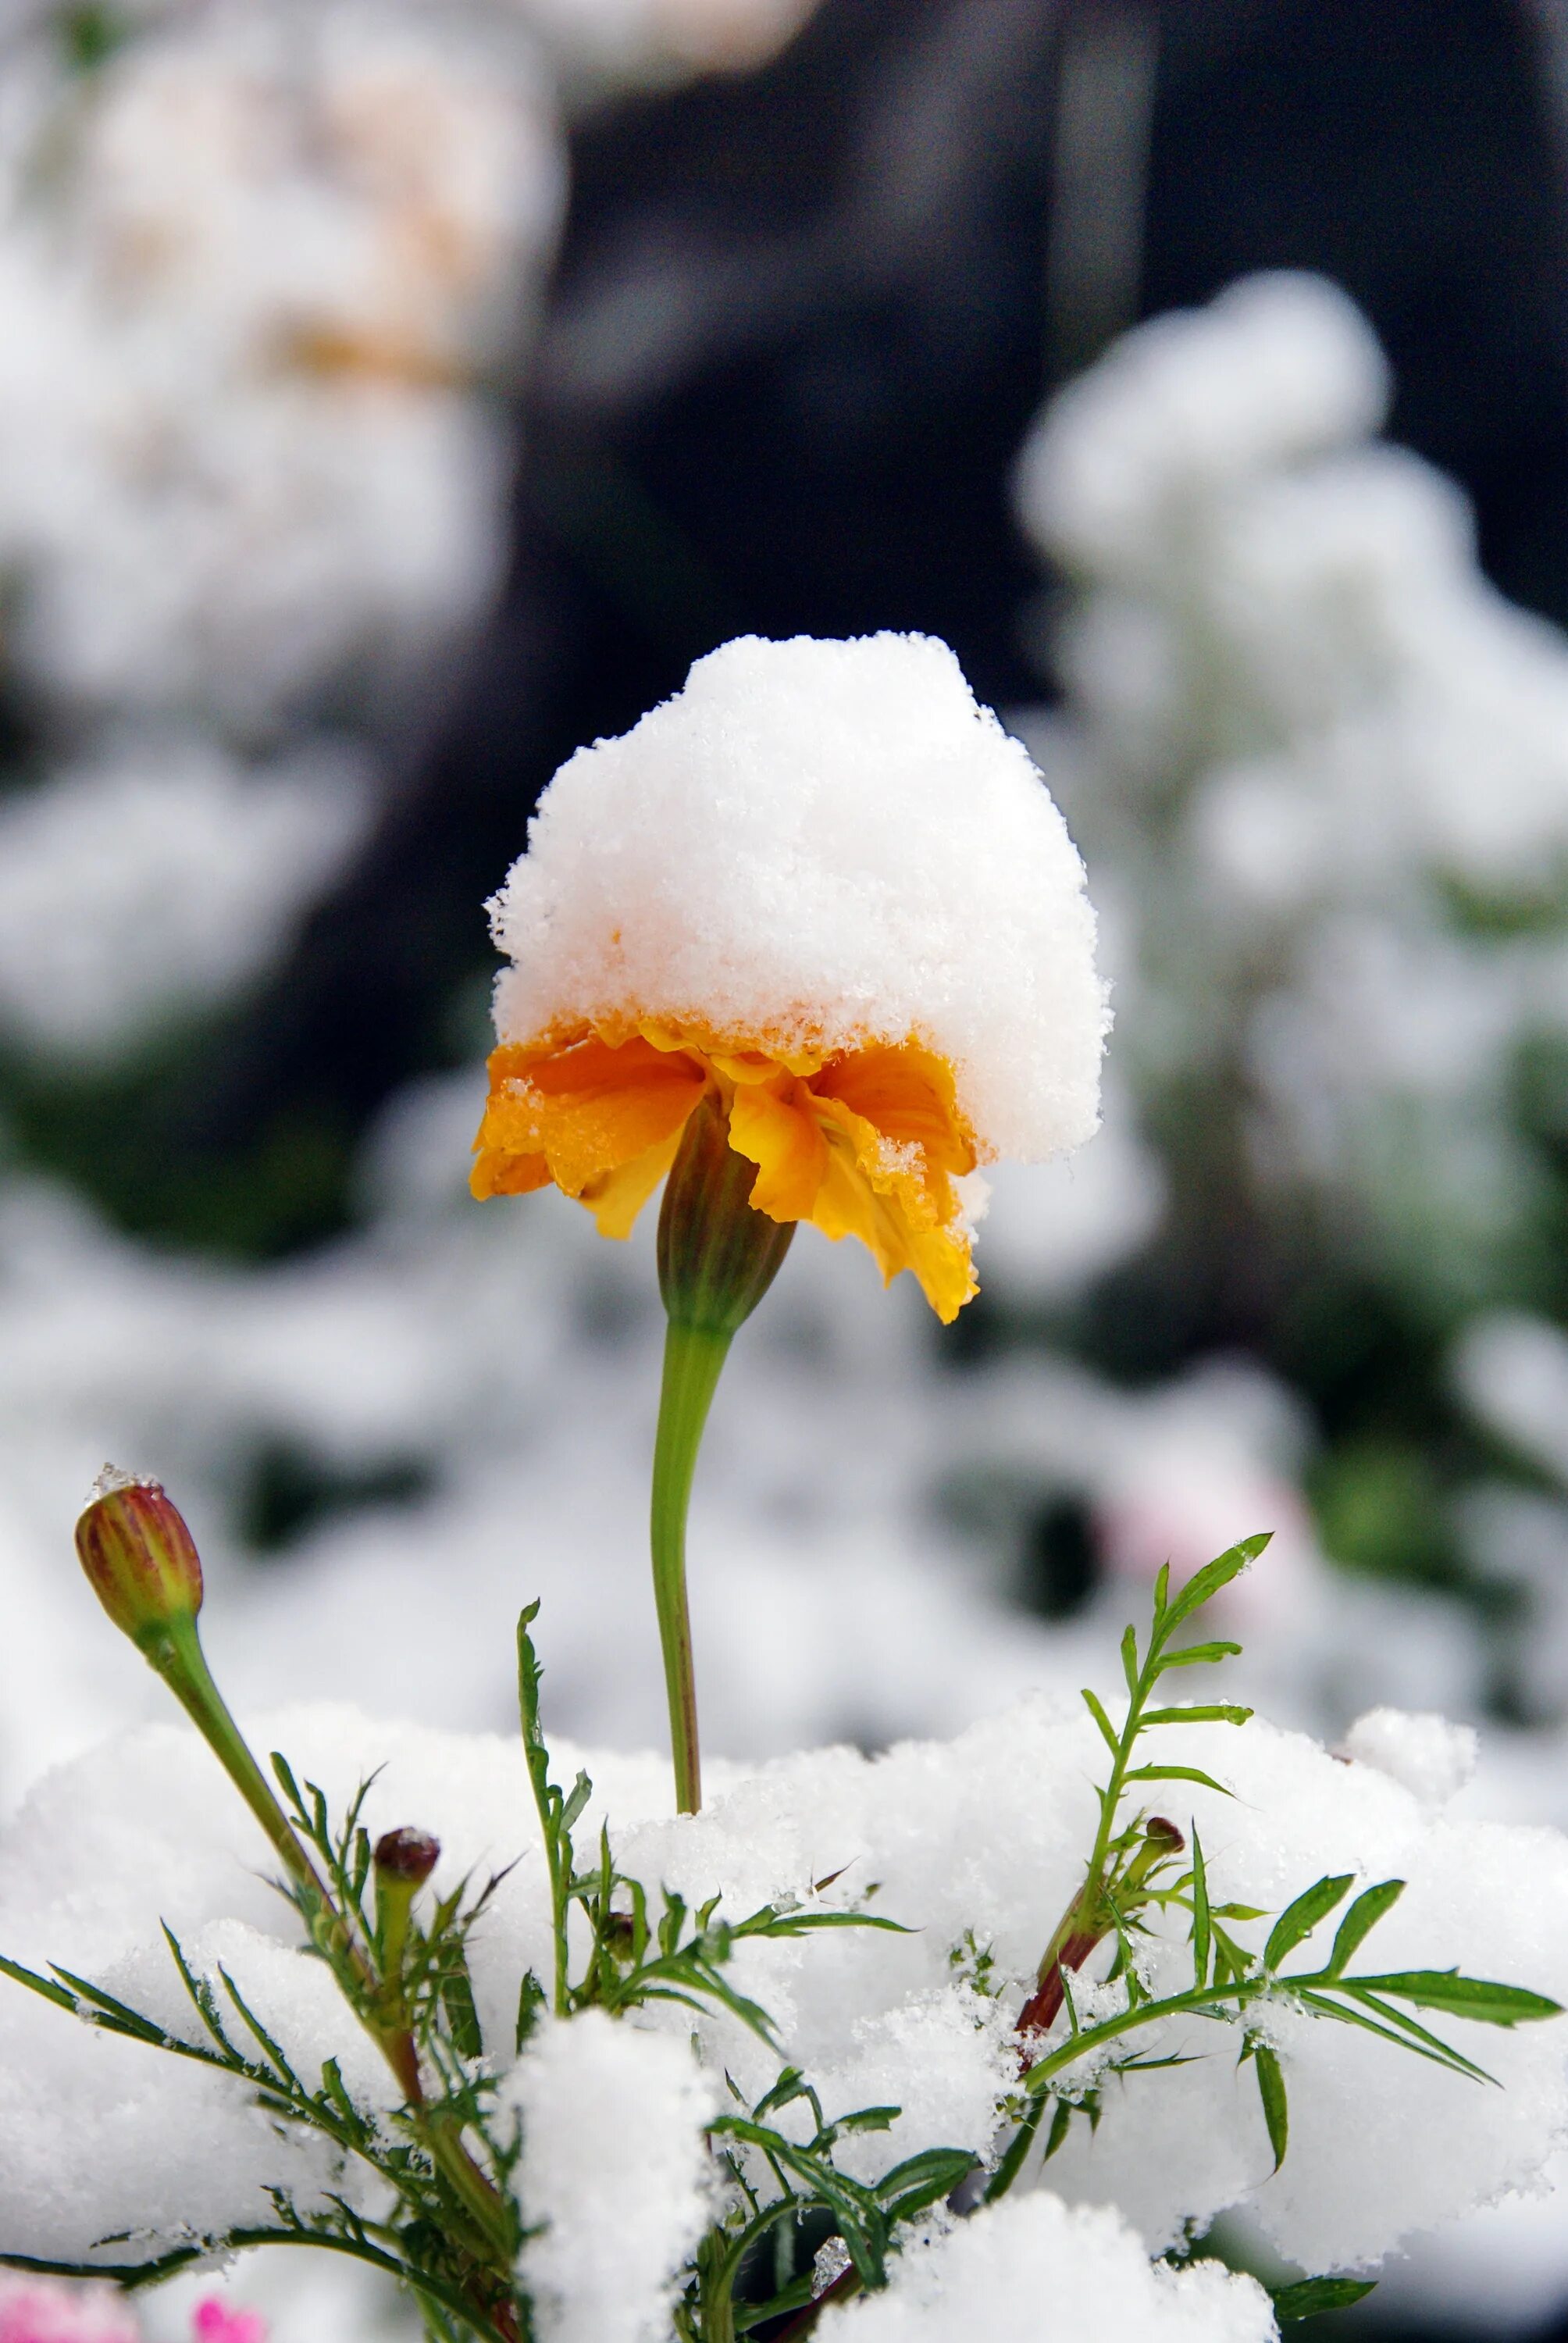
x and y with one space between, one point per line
823 879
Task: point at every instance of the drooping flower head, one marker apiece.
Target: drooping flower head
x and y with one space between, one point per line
824 887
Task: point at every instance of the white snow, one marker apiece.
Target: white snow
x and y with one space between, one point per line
820 845
986 1834
994 2274
616 2167
154 881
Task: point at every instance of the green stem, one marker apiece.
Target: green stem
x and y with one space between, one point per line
694 1358
174 1649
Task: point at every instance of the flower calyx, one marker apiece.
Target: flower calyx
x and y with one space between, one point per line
718 1254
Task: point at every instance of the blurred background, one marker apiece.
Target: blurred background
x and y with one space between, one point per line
395 394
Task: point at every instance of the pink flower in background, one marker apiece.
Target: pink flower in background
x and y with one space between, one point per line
216 2321
43 2310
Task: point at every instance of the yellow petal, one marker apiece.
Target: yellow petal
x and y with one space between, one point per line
616 1198
776 1127
877 1194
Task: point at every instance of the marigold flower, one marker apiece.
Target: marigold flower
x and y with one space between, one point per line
822 887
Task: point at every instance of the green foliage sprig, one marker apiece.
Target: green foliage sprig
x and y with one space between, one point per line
448 2155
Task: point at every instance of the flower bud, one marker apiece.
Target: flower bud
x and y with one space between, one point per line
406 1858
139 1556
717 1255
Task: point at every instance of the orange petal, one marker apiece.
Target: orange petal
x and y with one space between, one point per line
497 1173
776 1127
616 1198
906 1223
909 1095
587 1108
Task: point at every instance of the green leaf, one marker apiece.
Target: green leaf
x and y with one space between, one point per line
577 1799
1309 2297
201 1993
257 2031
1361 1918
1462 1996
1130 1661
790 2086
1106 1727
1205 1583
458 2000
868 2120
44 1987
1404 2033
1193 1656
1271 2091
1299 1918
1201 1938
119 2014
921 2180
1060 2124
1216 1712
1179 1773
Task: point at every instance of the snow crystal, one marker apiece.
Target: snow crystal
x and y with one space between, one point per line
820 844
992 2274
1431 1758
616 2165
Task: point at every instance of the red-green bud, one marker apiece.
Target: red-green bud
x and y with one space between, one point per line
717 1255
407 1858
138 1554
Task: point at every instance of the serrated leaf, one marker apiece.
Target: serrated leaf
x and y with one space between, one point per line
1361 1918
1271 2091
1214 1712
1309 2298
1300 1917
1462 1996
1106 1727
1179 1773
1205 1583
1193 1656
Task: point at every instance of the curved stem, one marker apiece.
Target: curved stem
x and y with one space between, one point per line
175 1651
693 1360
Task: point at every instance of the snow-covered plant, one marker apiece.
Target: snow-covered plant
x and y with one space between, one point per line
812 943
436 2188
812 940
